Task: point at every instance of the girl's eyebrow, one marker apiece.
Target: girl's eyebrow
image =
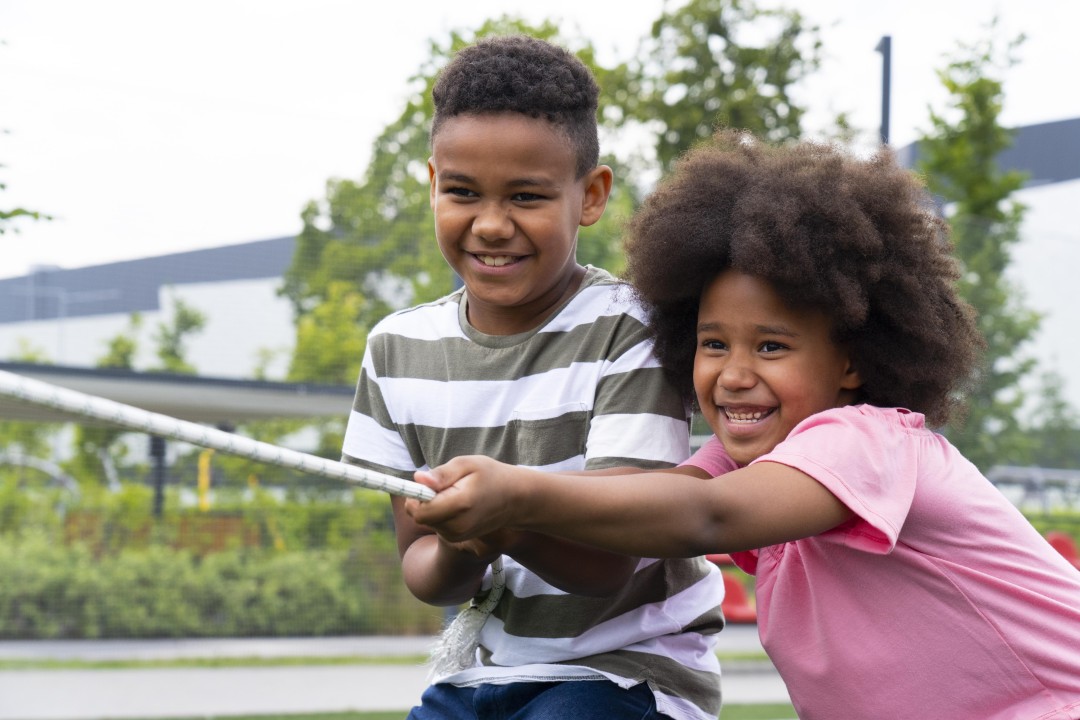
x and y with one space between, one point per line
711 327
776 330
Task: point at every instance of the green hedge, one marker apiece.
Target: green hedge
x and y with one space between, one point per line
99 564
52 590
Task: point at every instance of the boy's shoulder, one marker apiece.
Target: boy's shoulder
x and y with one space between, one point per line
602 294
419 321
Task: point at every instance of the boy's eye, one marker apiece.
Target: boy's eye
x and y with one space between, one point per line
460 192
771 346
527 197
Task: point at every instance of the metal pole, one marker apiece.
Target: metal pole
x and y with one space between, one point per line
884 47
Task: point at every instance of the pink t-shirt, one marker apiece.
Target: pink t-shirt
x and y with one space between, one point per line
937 600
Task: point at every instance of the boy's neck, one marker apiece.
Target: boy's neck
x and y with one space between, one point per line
512 320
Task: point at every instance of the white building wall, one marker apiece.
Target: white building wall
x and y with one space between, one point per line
1046 266
242 317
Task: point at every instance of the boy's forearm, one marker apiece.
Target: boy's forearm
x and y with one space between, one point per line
440 575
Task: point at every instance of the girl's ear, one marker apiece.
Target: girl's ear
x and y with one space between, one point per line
597 189
850 380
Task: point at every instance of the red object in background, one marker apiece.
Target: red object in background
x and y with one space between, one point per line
737 607
1064 544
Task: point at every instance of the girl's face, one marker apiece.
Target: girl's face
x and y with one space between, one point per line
761 367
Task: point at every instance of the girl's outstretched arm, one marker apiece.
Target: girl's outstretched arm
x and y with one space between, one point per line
652 514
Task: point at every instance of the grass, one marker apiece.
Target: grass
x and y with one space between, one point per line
256 661
780 711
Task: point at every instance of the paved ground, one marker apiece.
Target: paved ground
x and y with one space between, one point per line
200 692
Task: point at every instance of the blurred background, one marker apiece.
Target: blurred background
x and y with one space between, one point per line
205 206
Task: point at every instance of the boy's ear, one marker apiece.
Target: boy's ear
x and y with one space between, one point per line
431 179
597 189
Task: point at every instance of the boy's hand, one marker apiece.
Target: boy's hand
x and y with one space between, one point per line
475 497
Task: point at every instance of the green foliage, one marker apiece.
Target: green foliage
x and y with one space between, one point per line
711 63
170 337
1056 436
8 218
27 438
107 569
959 158
330 339
97 452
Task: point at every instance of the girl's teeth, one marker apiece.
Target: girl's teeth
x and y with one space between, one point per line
745 417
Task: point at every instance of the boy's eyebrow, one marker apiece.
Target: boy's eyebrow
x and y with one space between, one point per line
451 176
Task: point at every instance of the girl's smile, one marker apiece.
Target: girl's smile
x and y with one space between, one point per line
762 367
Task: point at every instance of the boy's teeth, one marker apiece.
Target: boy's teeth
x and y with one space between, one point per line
495 260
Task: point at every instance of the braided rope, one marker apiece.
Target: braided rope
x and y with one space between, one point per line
132 418
458 643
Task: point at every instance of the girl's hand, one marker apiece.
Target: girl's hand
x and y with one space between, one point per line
476 496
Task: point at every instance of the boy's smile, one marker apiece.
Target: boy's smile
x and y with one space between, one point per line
762 367
507 207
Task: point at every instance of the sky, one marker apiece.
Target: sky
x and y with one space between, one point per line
146 127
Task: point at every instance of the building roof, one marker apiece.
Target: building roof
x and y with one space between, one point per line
135 285
1048 152
195 399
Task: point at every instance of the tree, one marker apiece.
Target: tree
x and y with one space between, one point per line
713 63
1056 436
97 452
170 337
27 439
378 236
8 217
959 158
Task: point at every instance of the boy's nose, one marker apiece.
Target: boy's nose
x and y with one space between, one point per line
493 222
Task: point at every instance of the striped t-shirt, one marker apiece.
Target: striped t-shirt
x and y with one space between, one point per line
581 391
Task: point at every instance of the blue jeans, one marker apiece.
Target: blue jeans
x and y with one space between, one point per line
576 700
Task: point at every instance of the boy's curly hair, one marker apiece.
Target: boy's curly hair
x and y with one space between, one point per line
857 239
522 74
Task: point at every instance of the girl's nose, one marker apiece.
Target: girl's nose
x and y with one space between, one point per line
736 376
492 222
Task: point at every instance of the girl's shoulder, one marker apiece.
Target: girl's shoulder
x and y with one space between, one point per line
868 418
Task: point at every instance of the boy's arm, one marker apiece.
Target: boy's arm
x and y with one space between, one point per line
440 572
659 514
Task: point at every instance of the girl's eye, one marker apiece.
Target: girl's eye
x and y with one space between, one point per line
527 197
714 345
460 192
771 346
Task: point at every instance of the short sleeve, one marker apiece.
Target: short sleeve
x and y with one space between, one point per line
712 458
371 437
866 457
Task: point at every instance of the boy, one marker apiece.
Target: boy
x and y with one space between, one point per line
541 362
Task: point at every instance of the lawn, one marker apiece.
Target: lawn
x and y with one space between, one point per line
730 712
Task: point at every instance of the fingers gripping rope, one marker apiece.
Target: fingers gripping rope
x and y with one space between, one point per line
132 418
458 644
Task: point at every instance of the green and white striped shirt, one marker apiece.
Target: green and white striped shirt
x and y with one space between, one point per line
581 391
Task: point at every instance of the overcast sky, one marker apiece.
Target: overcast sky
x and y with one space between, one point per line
147 127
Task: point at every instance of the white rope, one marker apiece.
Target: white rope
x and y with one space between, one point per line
133 418
457 646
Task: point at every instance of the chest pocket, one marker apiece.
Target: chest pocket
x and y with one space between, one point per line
545 435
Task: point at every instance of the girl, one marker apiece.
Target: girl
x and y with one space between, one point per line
808 299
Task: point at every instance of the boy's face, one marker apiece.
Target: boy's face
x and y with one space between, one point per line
761 367
507 209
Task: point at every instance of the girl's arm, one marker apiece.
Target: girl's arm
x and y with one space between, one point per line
654 514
